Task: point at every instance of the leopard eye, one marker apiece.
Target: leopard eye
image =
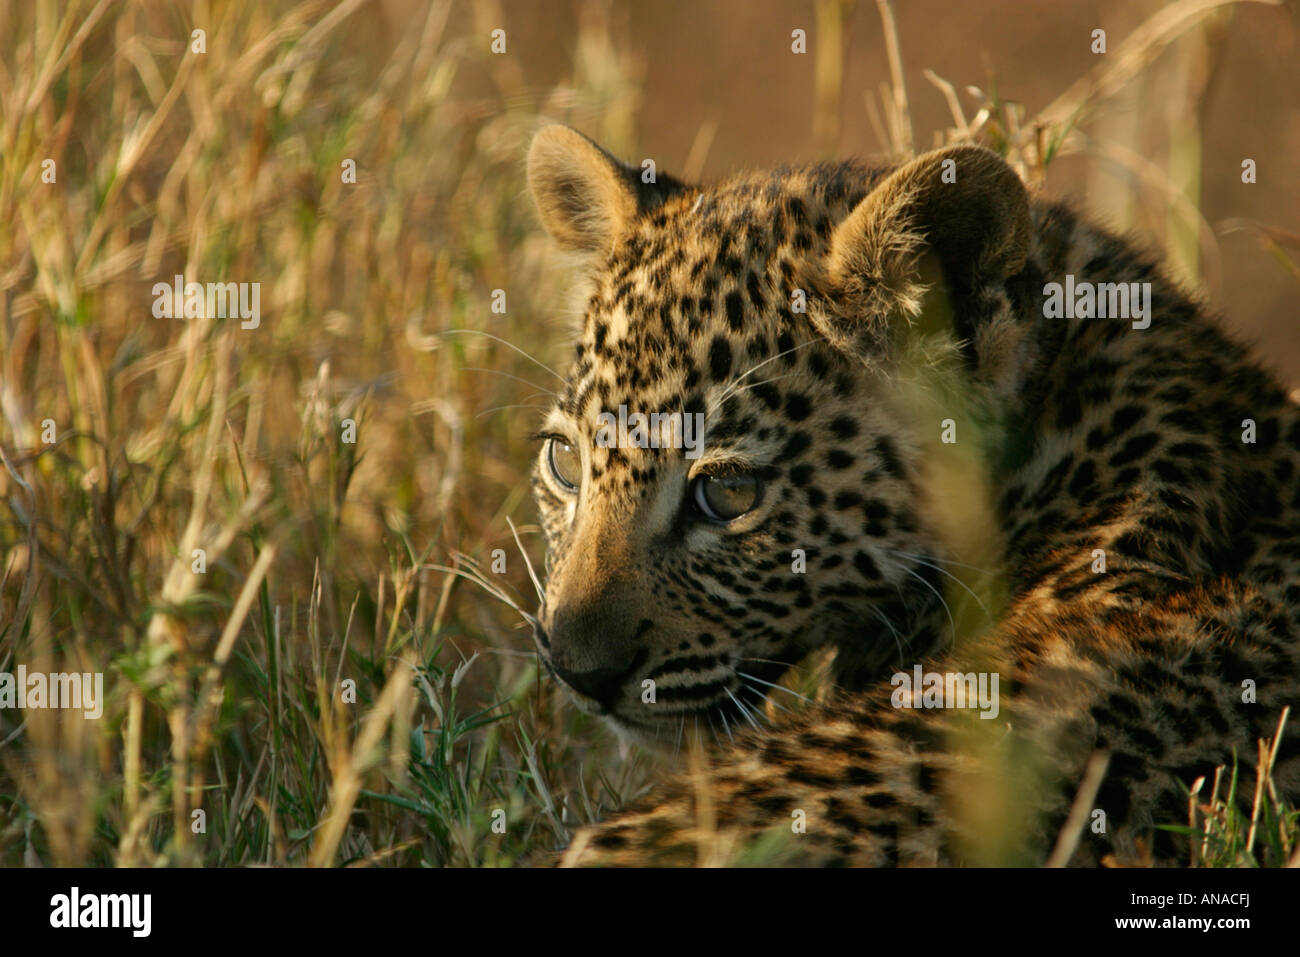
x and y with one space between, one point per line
726 497
565 463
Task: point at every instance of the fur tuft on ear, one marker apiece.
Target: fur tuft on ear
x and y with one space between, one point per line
963 202
585 197
959 213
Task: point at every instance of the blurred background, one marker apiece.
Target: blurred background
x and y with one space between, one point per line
716 88
348 678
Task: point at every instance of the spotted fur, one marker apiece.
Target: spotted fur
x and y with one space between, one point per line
831 321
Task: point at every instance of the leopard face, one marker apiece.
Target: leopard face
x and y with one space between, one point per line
683 580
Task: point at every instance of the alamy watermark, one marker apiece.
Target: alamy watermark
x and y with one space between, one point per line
658 430
132 912
58 689
1101 300
933 689
213 300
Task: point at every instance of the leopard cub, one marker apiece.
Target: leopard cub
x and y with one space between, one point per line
898 374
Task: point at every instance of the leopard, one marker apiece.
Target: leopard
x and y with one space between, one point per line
913 461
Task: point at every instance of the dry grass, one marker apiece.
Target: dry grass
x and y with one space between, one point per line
327 561
1220 834
175 435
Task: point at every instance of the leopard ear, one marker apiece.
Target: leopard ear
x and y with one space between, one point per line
587 198
960 210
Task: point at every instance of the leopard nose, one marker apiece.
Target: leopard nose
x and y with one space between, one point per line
593 649
601 684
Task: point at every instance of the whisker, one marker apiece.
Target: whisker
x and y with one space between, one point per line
765 661
776 686
798 669
937 594
743 709
764 699
902 655
478 332
945 561
754 368
732 390
725 724
775 378
517 405
511 376
537 586
921 561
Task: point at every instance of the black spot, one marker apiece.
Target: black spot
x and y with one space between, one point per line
862 776
1185 419
843 427
1169 472
802 774
735 311
785 345
876 510
801 475
1083 479
1135 448
1190 450
1070 412
1125 418
719 359
773 804
875 528
1133 545
769 393
838 459
888 454
796 445
797 406
863 563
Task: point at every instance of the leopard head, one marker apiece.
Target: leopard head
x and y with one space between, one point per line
735 474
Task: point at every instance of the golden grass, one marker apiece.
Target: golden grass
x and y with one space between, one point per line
175 435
